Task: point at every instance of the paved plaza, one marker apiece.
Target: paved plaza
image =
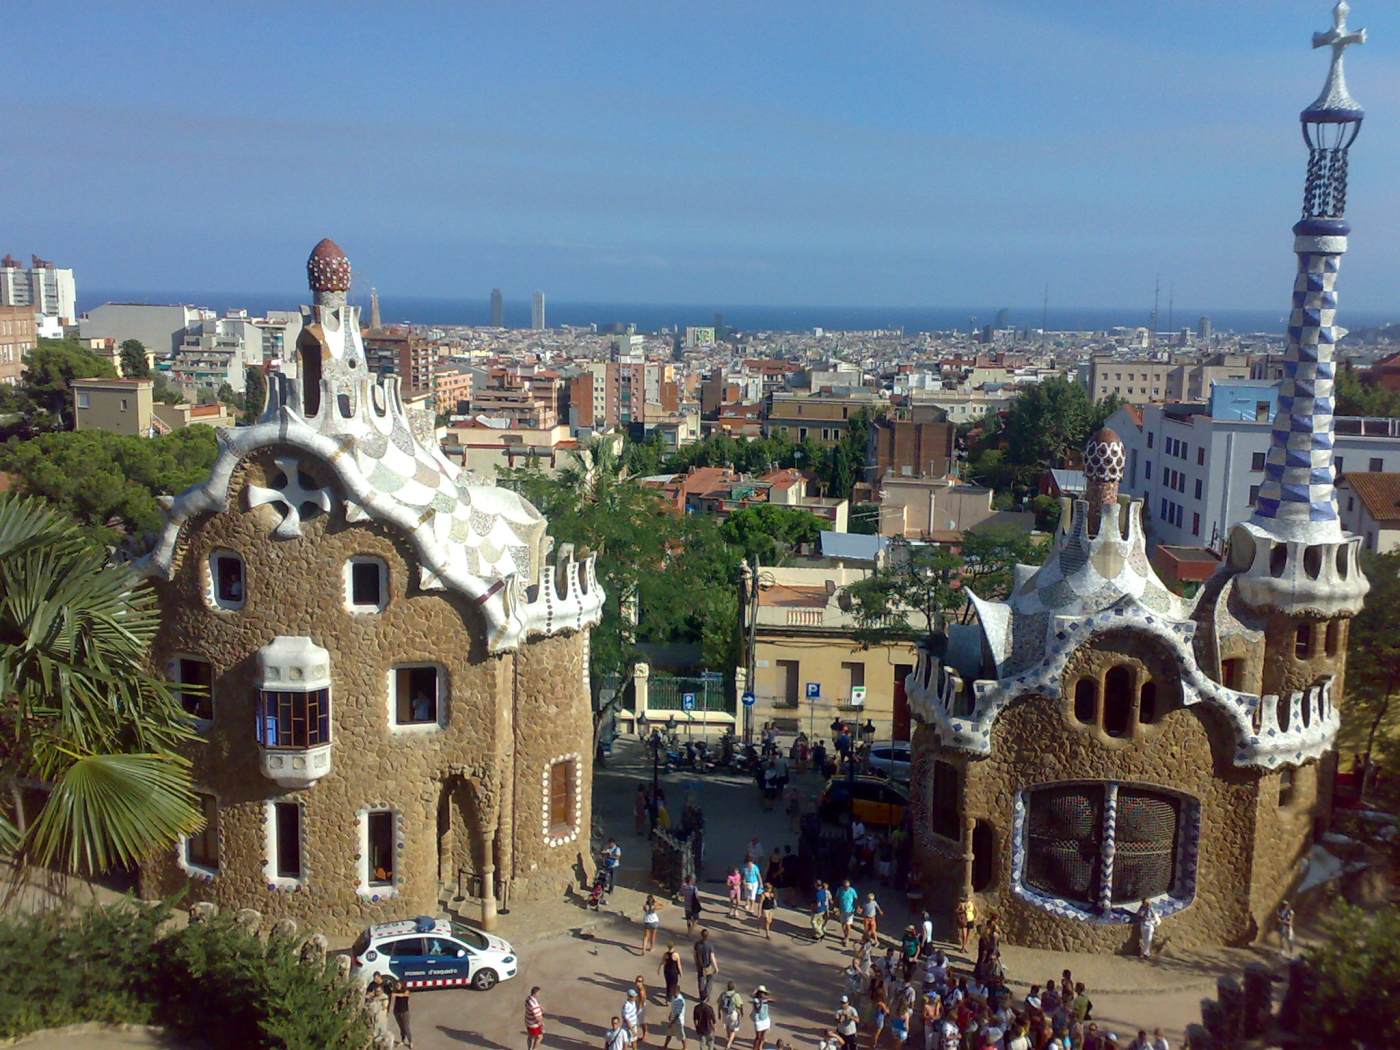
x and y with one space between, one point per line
584 960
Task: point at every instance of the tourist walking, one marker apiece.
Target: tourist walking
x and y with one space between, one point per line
651 922
762 1019
670 969
734 885
704 1021
632 1017
966 917
639 985
706 965
1147 927
899 1023
534 1019
881 1010
871 912
612 860
398 1006
690 897
847 1023
753 885
675 1021
846 898
767 905
731 1012
1285 917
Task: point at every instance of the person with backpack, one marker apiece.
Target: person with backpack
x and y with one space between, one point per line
731 1012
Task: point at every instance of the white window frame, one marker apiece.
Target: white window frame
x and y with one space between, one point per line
182 845
367 887
444 692
212 593
550 837
84 399
383 566
274 880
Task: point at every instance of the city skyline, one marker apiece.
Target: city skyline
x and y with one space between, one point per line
905 158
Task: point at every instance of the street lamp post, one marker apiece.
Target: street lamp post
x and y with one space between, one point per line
653 744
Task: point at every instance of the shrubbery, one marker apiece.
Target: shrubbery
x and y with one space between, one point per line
1356 970
213 980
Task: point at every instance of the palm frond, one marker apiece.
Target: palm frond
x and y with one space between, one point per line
111 810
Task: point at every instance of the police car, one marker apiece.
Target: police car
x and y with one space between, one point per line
432 953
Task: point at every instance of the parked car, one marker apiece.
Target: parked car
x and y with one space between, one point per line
893 760
879 803
433 953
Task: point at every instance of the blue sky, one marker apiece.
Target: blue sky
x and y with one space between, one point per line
790 153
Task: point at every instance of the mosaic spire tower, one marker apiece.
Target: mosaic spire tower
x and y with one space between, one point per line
1296 499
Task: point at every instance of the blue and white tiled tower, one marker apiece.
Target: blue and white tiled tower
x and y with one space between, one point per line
1293 549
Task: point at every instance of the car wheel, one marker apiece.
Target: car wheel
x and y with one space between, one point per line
484 980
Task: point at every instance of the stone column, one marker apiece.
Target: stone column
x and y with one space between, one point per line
968 859
641 677
488 896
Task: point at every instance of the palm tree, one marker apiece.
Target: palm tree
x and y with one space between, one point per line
82 717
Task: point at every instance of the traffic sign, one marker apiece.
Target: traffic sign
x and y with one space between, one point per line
814 691
749 699
687 701
857 696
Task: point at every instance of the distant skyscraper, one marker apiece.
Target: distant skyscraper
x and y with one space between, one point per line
497 309
374 308
537 311
45 288
1204 329
1003 317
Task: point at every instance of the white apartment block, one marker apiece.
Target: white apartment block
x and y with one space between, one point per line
49 290
218 351
160 329
1198 467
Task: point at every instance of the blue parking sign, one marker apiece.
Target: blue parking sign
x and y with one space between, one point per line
687 701
814 690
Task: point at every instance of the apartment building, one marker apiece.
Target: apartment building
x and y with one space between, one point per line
1198 467
487 445
126 406
940 510
823 419
964 406
398 352
519 400
217 351
160 329
906 448
452 389
47 290
808 666
1145 381
1370 508
18 336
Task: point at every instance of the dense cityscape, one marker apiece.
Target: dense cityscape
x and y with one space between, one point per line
608 684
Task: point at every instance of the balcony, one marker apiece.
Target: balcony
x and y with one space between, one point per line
293 727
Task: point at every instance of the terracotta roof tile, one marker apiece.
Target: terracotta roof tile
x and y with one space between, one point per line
1379 493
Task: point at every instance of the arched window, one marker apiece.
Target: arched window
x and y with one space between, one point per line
943 809
1086 701
1118 701
1286 787
1302 641
1232 673
310 375
1147 703
1334 637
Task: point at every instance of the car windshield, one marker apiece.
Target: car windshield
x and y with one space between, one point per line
469 936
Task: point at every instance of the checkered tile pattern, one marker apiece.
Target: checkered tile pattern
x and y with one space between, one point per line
1298 473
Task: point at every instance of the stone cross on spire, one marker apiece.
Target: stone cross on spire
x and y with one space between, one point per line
1335 98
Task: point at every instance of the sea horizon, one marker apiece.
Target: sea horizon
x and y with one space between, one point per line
655 317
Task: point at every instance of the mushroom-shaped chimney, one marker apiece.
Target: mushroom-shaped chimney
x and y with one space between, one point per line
328 273
1103 470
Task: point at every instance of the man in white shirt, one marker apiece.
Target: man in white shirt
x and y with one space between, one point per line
615 1038
847 1023
1159 1041
629 1014
675 1021
926 935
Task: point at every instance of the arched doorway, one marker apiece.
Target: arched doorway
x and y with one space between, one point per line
461 837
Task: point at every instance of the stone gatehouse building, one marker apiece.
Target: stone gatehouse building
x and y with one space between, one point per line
1095 741
388 662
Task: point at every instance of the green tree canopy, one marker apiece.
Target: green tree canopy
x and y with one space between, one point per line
1371 719
109 482
135 363
79 706
907 598
49 373
1357 397
991 552
770 532
1357 968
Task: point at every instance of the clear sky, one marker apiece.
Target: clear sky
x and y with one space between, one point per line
876 153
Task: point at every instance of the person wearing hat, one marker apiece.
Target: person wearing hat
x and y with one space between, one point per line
630 1015
847 1023
762 1021
909 947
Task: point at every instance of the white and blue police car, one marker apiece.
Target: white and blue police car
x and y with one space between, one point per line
433 953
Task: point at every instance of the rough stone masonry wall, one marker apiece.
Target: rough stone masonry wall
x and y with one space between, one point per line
296 587
1038 741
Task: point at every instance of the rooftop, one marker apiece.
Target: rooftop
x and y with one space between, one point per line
1379 494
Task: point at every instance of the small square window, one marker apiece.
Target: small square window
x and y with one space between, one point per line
84 400
366 584
1257 461
417 696
1376 465
1253 495
196 682
226 570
